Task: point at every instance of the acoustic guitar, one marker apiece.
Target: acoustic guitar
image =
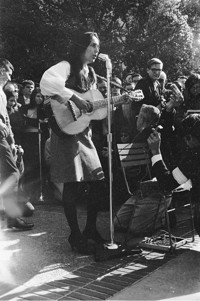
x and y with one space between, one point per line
71 120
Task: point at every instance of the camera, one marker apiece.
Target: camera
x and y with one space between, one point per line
158 128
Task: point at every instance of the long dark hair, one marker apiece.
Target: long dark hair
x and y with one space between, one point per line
79 46
33 103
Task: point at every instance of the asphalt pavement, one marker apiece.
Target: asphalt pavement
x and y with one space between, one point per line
40 265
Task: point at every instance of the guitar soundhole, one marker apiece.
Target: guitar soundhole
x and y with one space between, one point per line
90 110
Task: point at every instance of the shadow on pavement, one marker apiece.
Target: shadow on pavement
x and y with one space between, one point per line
39 264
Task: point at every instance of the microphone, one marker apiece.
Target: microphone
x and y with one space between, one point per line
103 57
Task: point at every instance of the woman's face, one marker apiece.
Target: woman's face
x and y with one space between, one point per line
91 51
124 137
11 102
38 98
195 89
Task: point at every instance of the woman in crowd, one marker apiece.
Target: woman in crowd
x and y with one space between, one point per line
15 115
34 126
192 92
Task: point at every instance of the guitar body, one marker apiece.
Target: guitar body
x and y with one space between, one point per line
70 119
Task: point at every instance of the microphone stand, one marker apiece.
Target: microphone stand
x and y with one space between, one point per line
41 198
111 250
111 245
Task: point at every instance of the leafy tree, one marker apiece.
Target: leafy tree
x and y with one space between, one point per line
37 33
163 33
191 8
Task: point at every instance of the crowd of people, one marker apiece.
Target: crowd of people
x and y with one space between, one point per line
40 128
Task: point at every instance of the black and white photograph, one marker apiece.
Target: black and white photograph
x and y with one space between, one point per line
100 150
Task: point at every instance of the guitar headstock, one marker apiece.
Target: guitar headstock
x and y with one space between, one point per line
136 95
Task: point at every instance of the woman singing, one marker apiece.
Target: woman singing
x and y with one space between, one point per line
74 157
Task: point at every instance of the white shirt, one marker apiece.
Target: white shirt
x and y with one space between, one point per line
3 105
4 114
53 81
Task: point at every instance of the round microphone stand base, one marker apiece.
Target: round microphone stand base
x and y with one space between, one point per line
112 250
111 246
41 198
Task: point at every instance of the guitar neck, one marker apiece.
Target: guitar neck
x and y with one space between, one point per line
116 100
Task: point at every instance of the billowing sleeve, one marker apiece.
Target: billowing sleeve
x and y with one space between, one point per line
53 80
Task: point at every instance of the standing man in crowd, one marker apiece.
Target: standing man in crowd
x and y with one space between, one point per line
8 168
25 95
150 85
152 91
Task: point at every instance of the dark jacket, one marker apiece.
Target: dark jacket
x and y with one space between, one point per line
189 165
151 95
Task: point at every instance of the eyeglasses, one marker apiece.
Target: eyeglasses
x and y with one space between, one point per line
154 70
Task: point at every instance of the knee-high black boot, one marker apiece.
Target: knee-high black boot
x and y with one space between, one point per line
90 231
76 239
69 203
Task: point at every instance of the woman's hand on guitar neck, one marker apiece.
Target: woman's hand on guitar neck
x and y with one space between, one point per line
82 104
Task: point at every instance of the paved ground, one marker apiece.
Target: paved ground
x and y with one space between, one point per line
39 265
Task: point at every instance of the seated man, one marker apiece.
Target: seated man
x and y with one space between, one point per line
125 218
188 169
148 117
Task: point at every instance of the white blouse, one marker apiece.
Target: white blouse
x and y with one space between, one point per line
53 81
